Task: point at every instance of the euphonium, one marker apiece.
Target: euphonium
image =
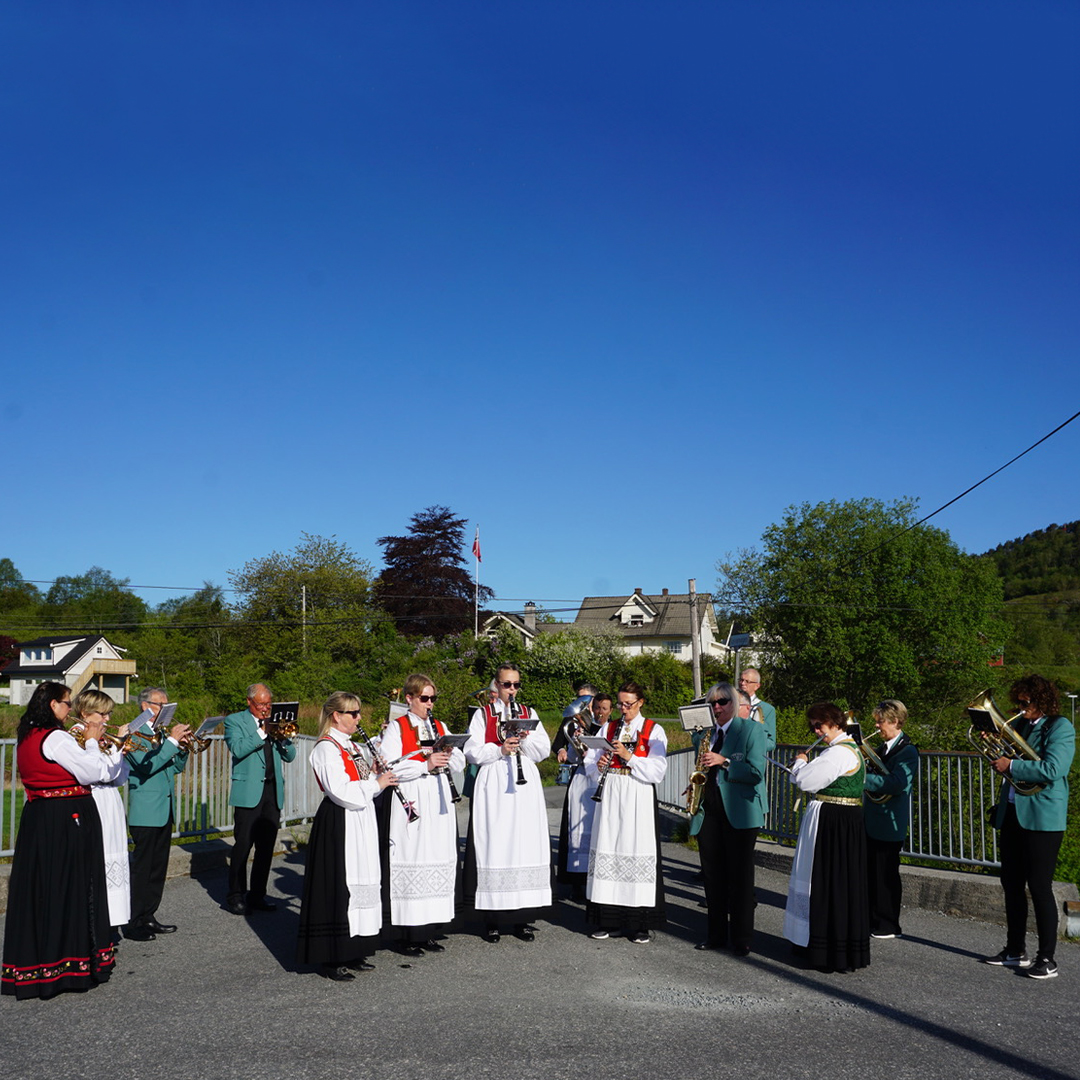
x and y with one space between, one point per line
997 738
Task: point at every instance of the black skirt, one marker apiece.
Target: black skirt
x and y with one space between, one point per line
57 935
839 908
323 936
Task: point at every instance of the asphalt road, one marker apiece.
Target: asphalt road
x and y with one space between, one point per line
223 998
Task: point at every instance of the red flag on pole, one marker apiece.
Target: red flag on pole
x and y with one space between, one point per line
476 545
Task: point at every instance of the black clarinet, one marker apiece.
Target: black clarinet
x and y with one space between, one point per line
380 764
598 795
512 729
454 795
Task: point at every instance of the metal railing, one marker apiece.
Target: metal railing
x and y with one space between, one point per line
949 804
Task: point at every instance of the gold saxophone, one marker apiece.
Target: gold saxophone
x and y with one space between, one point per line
696 787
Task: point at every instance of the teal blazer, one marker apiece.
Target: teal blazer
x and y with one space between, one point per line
891 819
152 786
249 767
742 783
767 713
1054 740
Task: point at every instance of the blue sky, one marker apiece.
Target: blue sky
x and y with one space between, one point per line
617 282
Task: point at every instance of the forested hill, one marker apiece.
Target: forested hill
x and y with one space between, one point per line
1046 561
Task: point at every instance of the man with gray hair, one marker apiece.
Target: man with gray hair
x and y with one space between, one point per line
257 795
151 811
761 711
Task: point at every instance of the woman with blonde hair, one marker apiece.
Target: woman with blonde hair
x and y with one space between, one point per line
341 910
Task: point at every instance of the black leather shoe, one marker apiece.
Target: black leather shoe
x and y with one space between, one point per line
707 946
740 950
524 933
431 945
139 933
360 965
159 928
237 907
411 949
337 973
529 926
492 934
261 905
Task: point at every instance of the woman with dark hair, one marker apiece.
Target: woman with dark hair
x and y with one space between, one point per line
341 910
1032 826
56 935
625 890
827 911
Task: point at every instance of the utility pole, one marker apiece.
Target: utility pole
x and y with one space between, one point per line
695 643
303 614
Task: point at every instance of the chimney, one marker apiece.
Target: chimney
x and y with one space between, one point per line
637 591
665 592
530 616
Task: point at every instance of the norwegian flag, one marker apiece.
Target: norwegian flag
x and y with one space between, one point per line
476 545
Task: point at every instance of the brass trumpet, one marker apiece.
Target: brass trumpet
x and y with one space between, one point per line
997 738
279 730
108 743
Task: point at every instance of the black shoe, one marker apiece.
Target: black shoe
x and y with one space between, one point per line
237 907
710 946
360 965
740 950
529 926
337 973
411 949
492 934
261 905
159 928
524 933
139 933
431 945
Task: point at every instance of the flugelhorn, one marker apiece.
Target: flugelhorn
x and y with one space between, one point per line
997 738
279 730
107 742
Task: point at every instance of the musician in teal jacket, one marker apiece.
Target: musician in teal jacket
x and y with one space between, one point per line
257 796
151 813
761 711
734 805
1032 826
887 815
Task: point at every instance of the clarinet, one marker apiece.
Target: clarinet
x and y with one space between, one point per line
380 764
598 795
512 729
454 795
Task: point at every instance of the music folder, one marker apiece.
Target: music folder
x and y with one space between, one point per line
209 726
284 712
698 714
457 742
596 742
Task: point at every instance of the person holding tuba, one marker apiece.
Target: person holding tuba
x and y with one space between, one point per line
734 805
420 856
341 908
827 915
886 816
508 852
625 890
151 813
1033 826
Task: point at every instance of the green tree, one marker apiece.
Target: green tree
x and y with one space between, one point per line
852 602
93 602
426 585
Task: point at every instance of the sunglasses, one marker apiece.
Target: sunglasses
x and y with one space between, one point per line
425 698
511 685
354 713
722 701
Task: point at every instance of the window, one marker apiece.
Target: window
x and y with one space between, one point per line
673 647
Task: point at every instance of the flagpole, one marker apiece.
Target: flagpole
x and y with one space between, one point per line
476 594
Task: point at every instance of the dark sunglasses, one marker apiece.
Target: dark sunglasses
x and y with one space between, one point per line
354 713
722 701
511 685
425 698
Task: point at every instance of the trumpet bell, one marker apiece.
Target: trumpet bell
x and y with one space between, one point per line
577 707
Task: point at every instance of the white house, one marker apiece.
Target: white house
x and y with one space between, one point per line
524 625
77 662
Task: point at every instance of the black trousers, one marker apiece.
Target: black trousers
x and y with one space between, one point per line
727 864
149 865
883 884
254 826
1028 858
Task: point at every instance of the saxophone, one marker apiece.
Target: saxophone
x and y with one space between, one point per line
696 788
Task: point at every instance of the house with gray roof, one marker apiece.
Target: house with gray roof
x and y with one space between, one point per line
77 662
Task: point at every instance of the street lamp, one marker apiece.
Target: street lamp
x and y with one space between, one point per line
1072 697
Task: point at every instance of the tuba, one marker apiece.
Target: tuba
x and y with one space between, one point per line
994 737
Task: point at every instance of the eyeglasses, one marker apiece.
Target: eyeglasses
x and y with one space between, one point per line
64 702
721 701
628 704
511 685
425 698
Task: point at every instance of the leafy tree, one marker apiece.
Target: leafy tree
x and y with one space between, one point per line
426 585
853 604
94 601
15 592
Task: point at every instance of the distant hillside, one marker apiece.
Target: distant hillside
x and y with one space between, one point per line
1047 561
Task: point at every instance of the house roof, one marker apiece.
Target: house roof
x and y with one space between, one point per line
518 623
672 613
82 646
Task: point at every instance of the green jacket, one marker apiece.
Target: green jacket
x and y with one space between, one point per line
249 766
767 713
1054 740
742 783
152 784
891 819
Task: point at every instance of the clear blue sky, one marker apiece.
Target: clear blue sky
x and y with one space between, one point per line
616 281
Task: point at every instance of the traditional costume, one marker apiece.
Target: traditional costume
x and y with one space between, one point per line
421 858
626 887
508 851
57 935
827 910
341 905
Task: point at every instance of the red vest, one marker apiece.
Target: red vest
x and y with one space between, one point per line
351 771
410 741
641 747
491 733
39 775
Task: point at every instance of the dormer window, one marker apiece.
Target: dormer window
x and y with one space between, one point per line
637 620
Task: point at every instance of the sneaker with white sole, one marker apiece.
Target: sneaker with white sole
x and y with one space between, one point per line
1042 969
599 935
640 938
1007 959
